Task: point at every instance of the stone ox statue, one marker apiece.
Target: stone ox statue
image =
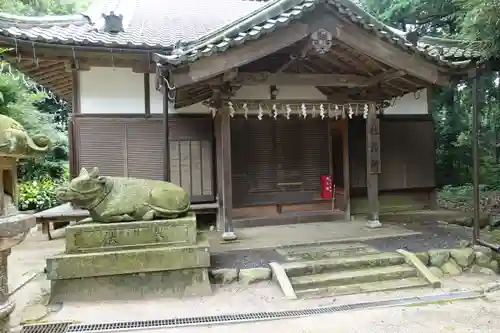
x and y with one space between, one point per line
15 141
120 199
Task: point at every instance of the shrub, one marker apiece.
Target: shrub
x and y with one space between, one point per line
38 195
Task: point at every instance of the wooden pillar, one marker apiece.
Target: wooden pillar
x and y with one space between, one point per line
224 176
147 96
218 171
330 162
167 105
372 166
2 191
346 169
76 109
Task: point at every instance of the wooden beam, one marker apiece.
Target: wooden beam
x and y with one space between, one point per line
385 77
383 51
78 65
297 79
208 67
144 67
61 87
372 166
59 67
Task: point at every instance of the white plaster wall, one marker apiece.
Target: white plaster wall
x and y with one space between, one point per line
106 90
409 104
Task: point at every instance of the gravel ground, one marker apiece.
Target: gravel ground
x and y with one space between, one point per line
458 316
244 259
434 235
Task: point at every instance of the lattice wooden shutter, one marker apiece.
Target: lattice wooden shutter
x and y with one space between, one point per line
144 139
315 155
289 154
101 144
261 155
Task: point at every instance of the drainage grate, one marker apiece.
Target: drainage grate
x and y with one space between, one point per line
61 327
243 317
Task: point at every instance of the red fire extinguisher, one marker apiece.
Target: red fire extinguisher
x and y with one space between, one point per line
326 187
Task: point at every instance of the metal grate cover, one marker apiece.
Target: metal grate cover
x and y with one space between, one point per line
60 327
241 318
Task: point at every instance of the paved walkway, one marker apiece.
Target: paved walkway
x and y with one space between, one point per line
293 234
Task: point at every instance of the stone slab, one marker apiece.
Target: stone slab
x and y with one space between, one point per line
13 225
178 283
70 266
113 236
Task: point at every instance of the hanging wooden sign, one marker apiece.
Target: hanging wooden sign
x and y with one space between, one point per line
374 145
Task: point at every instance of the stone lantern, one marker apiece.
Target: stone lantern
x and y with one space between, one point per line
14 226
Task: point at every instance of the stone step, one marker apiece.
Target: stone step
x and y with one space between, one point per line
299 268
364 275
81 265
314 252
357 288
126 287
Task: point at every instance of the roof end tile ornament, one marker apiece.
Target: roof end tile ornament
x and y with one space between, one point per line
113 23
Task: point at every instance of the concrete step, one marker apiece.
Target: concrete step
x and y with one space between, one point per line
364 275
299 268
314 252
357 288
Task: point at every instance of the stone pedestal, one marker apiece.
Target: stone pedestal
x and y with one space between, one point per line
6 306
13 230
131 260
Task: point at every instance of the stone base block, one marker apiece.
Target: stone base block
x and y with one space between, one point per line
153 259
177 283
131 235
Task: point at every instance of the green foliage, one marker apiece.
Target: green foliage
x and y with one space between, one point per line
38 195
480 24
43 7
38 115
461 198
20 103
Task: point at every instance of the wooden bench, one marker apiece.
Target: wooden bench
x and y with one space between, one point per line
66 213
60 214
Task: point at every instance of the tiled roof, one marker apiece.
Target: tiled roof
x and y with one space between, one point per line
189 29
282 12
447 48
147 23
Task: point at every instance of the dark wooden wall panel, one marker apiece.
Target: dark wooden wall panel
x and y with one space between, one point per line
407 154
133 147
